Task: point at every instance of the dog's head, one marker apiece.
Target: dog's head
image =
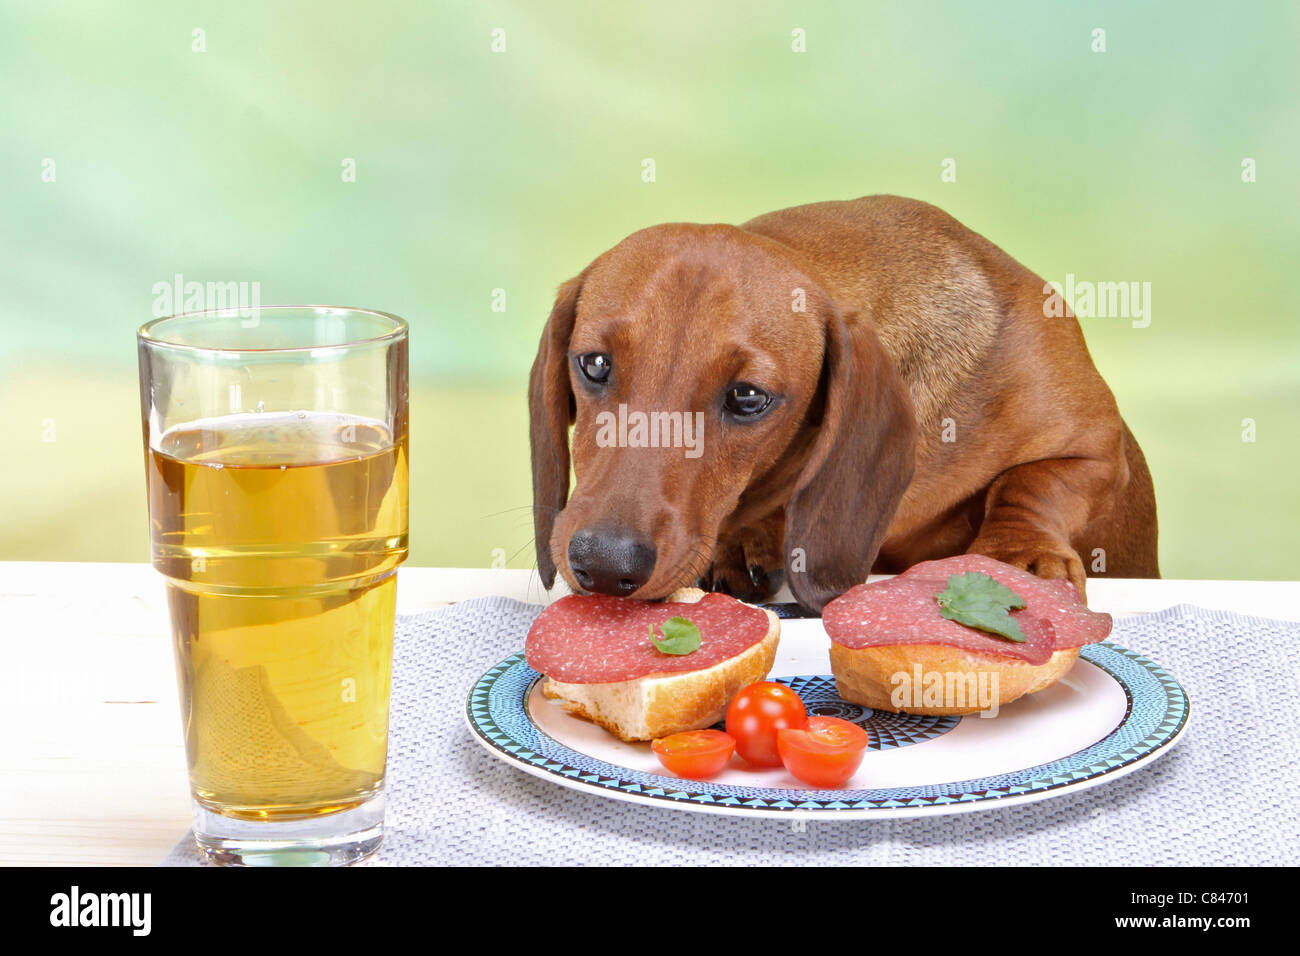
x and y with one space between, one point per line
704 369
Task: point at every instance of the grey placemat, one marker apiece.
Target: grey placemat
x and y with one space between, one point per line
1224 795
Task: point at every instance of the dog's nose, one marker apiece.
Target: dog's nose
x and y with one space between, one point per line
610 563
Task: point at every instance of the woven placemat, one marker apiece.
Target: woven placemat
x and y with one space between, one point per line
1224 795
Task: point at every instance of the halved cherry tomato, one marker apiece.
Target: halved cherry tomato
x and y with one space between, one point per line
757 713
695 753
825 753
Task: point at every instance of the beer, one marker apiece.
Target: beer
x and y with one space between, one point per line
280 535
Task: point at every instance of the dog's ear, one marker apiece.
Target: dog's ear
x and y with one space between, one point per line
857 471
551 410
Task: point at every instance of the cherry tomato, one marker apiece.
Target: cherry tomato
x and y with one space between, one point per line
695 753
757 713
825 753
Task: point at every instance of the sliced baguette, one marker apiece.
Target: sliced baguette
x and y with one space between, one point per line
866 675
661 704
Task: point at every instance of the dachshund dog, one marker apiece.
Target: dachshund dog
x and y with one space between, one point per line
871 383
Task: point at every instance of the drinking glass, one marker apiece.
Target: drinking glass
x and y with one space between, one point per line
276 456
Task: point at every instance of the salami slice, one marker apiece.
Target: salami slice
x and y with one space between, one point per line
903 610
599 639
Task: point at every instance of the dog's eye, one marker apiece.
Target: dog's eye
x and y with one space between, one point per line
595 366
746 401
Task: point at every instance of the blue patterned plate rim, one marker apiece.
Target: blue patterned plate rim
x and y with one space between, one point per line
1157 712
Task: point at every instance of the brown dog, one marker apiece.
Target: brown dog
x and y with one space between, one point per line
876 384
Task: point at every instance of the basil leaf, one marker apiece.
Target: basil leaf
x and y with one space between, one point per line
680 637
979 601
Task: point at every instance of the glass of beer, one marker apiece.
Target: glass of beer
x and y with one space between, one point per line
276 454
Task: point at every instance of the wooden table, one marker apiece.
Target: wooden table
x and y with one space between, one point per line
92 765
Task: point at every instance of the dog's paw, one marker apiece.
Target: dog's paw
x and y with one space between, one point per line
747 565
751 584
1046 559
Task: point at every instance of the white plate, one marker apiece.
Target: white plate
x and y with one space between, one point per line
1113 713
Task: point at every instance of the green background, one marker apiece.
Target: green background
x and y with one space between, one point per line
478 170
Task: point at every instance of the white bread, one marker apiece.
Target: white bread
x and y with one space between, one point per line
661 704
866 675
